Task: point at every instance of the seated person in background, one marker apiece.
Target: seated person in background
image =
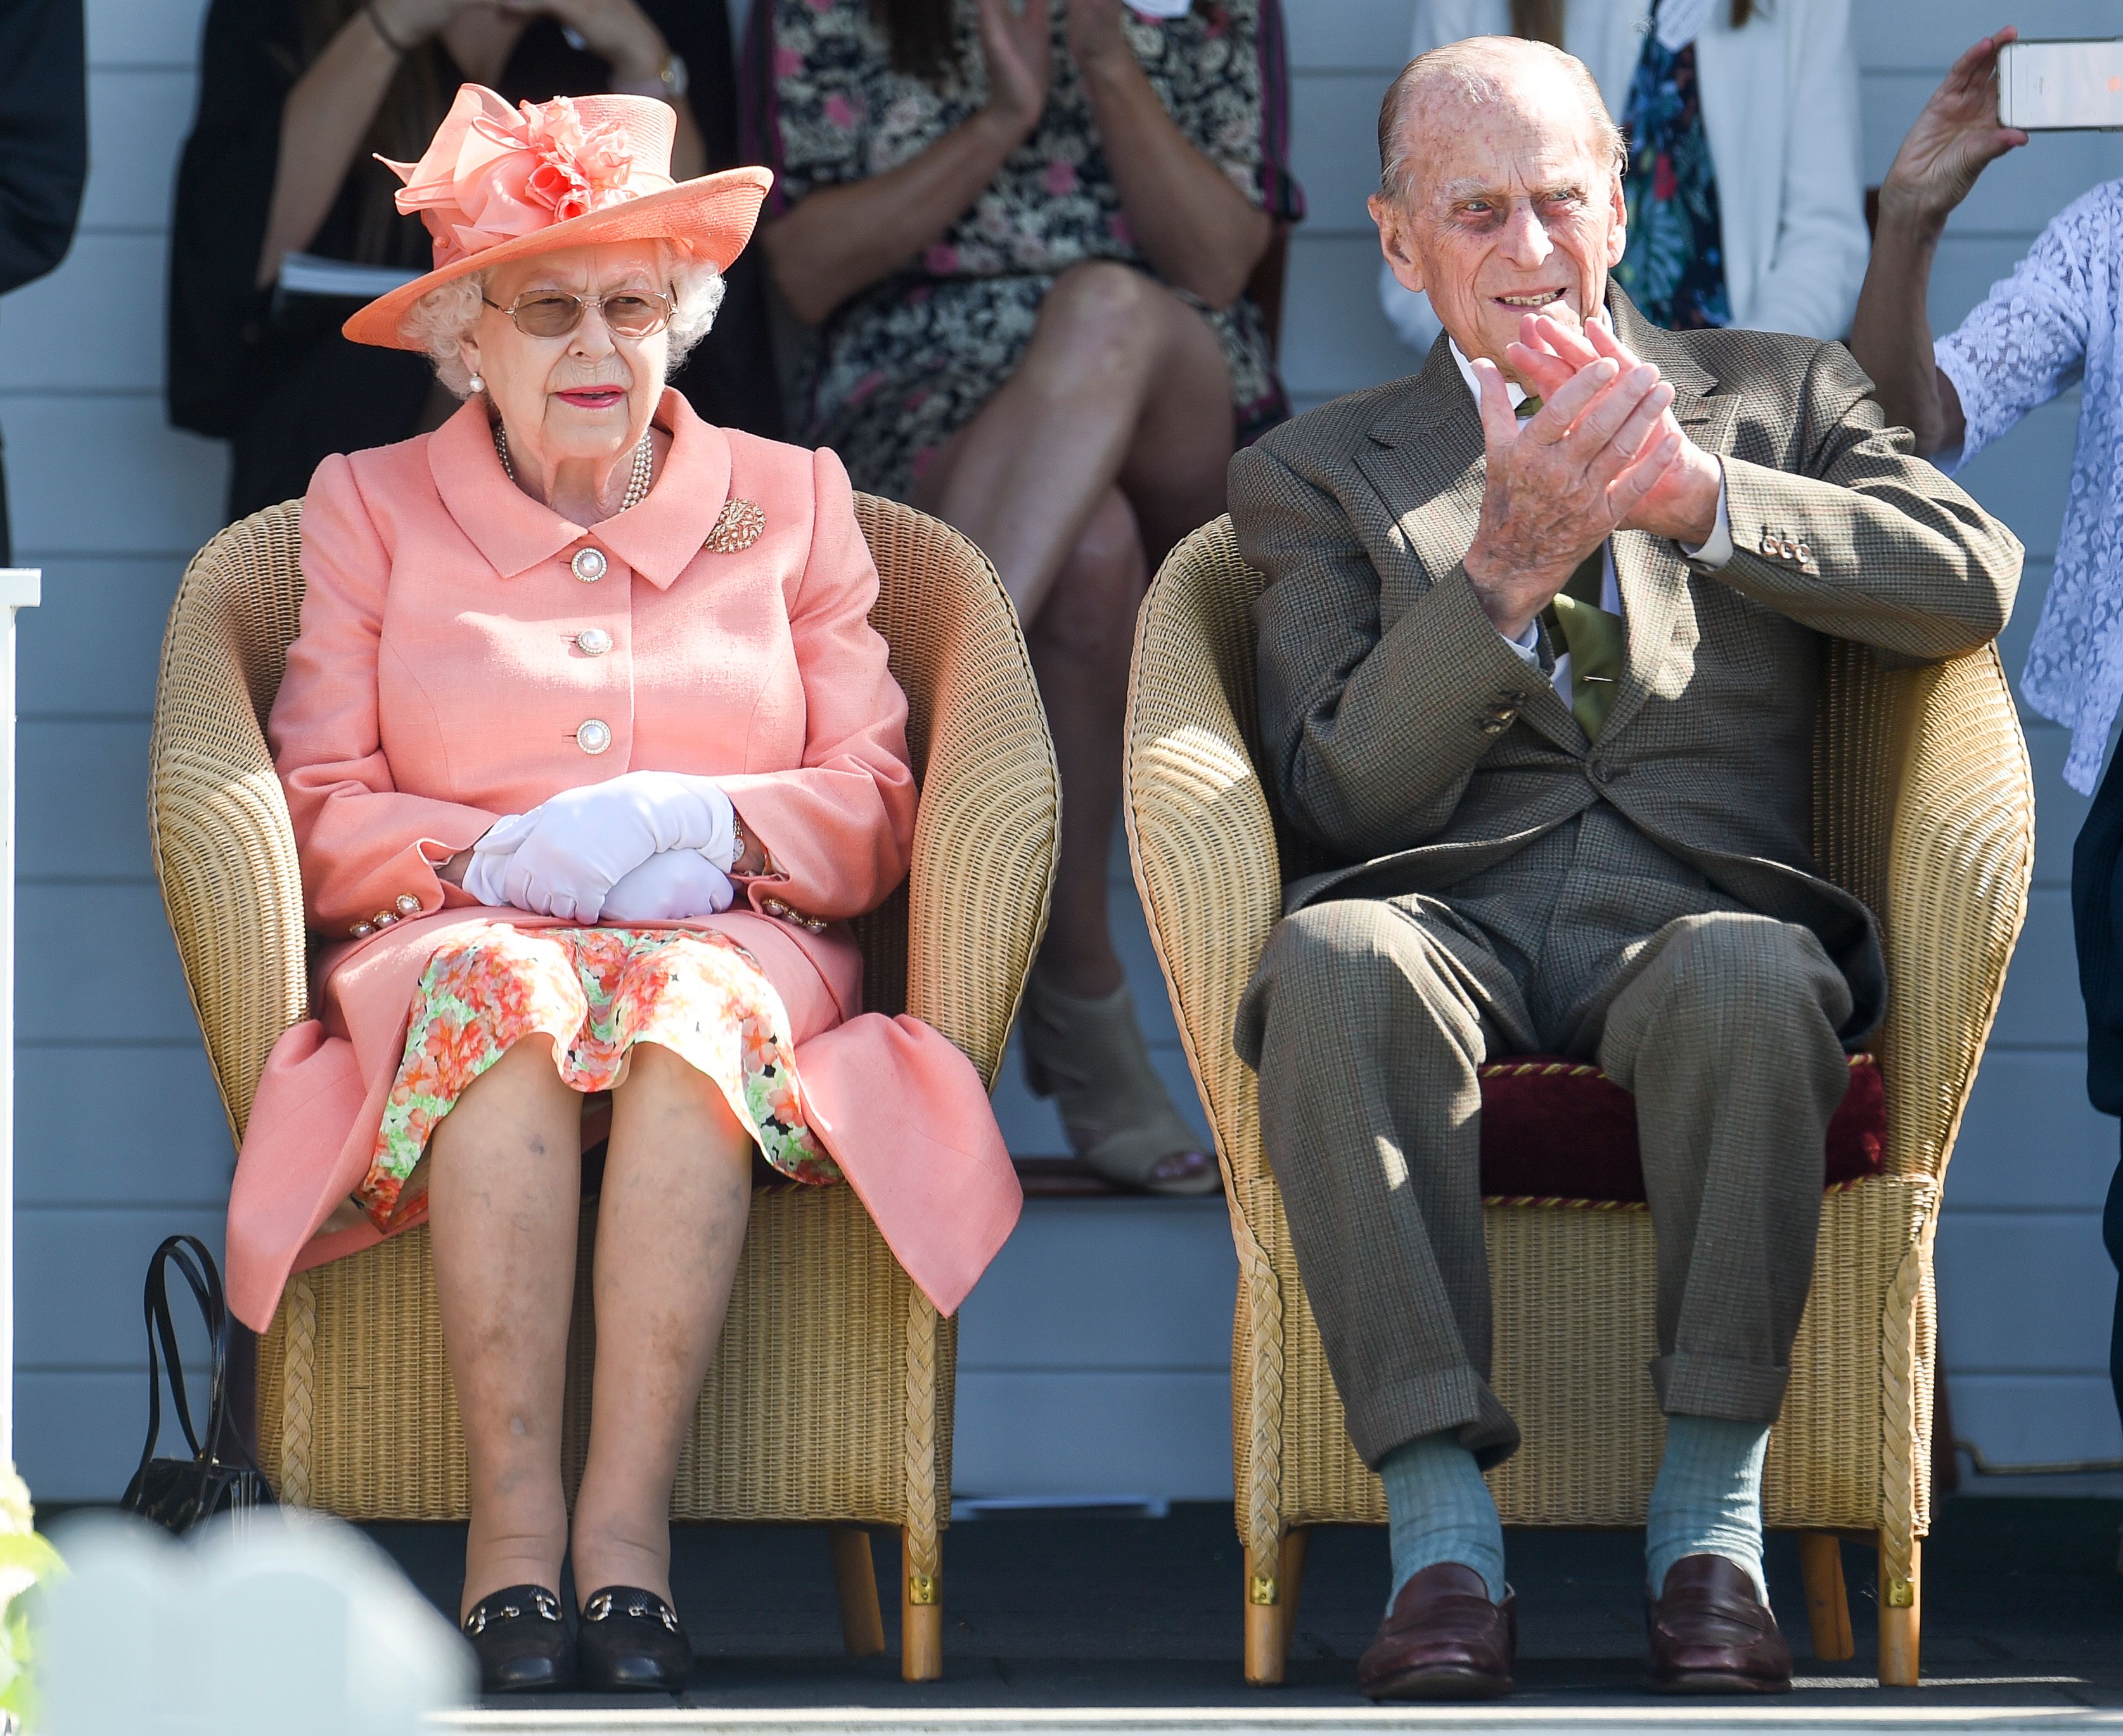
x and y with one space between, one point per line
295 97
590 750
1745 188
1027 237
2057 321
1539 659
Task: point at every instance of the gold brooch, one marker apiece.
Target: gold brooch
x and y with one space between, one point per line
738 528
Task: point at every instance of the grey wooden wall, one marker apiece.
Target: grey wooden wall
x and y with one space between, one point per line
1094 1357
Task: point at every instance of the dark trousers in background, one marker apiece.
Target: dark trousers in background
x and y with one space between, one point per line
2097 911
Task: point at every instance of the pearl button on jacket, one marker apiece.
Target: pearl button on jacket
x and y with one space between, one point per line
466 653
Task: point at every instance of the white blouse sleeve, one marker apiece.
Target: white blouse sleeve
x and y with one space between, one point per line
2026 342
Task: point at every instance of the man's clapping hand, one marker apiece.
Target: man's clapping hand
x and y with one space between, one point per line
1560 484
1682 503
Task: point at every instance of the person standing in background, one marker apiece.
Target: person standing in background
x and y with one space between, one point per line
2057 321
296 99
1745 190
43 148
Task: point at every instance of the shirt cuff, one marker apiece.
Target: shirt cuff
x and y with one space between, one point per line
1718 552
1527 645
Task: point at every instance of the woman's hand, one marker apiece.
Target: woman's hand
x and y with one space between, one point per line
616 31
1095 38
409 23
1019 47
669 887
1955 138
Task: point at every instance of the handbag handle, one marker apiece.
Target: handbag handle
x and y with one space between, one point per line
196 1265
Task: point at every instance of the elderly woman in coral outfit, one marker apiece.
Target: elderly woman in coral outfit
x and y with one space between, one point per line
590 749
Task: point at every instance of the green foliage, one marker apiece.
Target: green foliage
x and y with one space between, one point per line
25 1560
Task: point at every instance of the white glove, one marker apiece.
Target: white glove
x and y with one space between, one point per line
584 842
670 886
484 873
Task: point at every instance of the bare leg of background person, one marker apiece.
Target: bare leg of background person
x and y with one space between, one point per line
671 1222
1123 390
503 1198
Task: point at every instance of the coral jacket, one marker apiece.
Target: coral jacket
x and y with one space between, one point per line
445 668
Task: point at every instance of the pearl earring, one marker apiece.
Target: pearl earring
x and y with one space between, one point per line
478 384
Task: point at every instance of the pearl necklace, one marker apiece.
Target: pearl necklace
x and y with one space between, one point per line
637 488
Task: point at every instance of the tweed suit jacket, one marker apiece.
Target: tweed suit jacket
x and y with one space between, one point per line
1406 739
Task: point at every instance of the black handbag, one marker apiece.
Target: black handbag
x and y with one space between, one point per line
178 1494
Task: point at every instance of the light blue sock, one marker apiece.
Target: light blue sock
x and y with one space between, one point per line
1441 1511
1708 1499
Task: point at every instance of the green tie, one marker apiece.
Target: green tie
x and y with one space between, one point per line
1597 639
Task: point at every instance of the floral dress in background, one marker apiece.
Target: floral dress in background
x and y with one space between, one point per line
904 365
1674 268
596 992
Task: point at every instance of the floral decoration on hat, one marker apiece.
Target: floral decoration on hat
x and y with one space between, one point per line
493 173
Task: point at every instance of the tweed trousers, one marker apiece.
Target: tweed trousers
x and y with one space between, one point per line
1368 1020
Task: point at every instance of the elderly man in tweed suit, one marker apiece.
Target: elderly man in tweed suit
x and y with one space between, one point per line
1538 664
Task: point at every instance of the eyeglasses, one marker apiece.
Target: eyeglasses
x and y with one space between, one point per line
550 313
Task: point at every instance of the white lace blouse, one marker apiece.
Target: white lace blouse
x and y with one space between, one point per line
2050 325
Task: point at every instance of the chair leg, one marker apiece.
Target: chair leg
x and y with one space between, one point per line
1272 1610
1901 1618
920 1619
855 1579
1827 1601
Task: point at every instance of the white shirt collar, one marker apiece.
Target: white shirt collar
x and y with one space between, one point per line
1473 388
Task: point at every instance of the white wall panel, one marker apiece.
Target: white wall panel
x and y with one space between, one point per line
96 964
91 647
134 34
107 475
95 324
1341 343
1149 1283
78 801
136 123
2021 1293
2030 1140
2041 1006
1342 36
78 1298
2037 1419
1165 1437
98 1122
1335 148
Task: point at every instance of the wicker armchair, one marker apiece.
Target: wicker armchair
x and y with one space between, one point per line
830 1400
1923 809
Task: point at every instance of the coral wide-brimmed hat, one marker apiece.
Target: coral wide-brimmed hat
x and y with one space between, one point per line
500 182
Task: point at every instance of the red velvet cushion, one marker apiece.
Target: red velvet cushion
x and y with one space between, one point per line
1556 1129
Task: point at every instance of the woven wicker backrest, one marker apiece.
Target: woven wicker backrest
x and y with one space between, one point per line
225 851
1904 760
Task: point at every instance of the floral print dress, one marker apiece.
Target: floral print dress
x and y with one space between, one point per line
596 992
904 365
1674 268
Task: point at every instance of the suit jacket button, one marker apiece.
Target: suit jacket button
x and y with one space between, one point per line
1789 549
1769 543
383 919
1805 554
589 565
407 904
1602 772
360 931
594 641
594 736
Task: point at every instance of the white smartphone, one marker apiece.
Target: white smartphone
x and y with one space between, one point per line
2061 87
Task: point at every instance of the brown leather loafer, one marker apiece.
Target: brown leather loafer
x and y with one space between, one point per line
1711 1635
1442 1640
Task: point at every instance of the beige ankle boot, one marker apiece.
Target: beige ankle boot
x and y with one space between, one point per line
1087 1054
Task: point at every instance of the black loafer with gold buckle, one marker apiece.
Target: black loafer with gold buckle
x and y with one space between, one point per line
631 1639
522 1639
